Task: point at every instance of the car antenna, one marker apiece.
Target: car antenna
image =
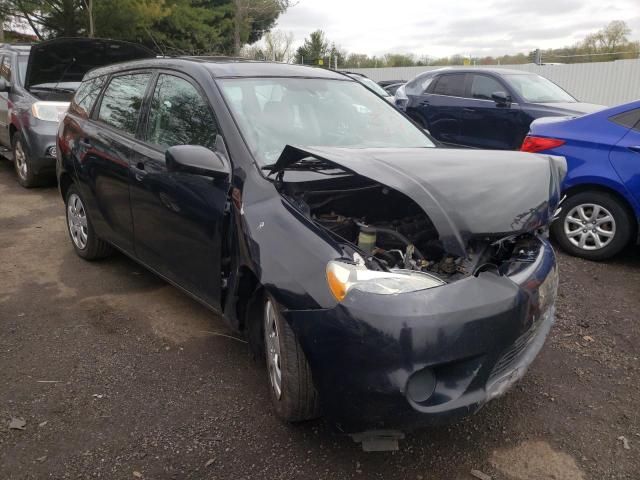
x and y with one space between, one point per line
154 41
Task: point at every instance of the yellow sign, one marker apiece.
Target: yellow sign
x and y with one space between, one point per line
467 61
321 62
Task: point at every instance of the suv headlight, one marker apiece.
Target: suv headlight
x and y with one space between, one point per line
49 111
344 277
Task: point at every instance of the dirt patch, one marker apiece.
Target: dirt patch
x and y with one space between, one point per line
536 460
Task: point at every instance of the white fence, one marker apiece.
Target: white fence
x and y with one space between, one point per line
604 83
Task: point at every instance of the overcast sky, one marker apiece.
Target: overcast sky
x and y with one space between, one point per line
467 27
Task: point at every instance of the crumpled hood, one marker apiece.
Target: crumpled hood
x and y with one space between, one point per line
465 193
68 59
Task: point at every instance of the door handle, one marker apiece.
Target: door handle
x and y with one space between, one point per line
467 109
139 171
635 148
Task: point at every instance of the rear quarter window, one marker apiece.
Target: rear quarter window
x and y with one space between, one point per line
86 96
629 119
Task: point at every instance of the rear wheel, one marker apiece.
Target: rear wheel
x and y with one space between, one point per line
22 163
83 237
593 225
293 394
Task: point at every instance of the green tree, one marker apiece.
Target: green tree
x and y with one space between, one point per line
314 49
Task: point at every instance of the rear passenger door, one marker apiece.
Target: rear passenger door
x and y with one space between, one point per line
486 124
442 107
178 217
625 155
108 144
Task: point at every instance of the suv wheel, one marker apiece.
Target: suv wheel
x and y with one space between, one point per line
593 225
293 394
83 237
22 162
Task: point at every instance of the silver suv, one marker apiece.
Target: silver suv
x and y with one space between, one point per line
36 84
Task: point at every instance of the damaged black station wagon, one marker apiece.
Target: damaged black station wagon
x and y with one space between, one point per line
389 284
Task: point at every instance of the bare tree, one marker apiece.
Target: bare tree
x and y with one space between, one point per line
247 11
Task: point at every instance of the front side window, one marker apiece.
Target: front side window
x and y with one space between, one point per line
451 85
482 87
275 112
536 89
86 96
628 119
122 100
179 115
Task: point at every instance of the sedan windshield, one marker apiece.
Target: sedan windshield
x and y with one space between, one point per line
537 89
275 112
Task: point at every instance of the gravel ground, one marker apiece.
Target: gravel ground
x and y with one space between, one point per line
118 375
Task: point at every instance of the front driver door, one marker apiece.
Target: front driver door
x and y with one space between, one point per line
5 74
178 217
486 124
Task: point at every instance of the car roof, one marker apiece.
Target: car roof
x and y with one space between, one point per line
497 71
225 67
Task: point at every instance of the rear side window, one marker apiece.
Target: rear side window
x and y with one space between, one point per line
179 115
419 85
122 100
451 85
86 96
629 119
482 87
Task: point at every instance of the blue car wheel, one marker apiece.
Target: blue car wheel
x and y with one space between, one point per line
593 225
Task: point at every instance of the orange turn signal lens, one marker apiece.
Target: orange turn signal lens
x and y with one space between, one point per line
338 288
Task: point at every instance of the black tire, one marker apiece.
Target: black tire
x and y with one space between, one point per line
94 247
22 162
624 225
298 400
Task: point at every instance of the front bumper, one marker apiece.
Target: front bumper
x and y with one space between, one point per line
40 139
477 336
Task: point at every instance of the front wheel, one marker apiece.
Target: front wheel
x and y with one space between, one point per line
593 225
293 394
22 163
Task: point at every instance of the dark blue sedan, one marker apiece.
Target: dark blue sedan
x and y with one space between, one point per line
600 214
482 107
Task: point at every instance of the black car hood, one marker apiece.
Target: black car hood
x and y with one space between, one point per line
465 193
68 59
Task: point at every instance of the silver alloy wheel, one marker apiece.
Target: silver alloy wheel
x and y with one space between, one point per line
21 160
77 220
272 342
589 226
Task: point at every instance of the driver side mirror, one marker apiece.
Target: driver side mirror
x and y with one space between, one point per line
197 160
501 98
4 86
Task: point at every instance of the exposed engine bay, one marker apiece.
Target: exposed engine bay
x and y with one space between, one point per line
395 233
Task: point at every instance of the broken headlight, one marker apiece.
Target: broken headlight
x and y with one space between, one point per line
343 277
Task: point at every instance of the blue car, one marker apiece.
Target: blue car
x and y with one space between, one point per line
600 215
484 107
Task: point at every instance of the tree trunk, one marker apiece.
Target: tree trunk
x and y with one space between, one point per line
237 27
91 24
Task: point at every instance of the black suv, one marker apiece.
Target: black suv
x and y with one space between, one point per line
36 83
371 268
